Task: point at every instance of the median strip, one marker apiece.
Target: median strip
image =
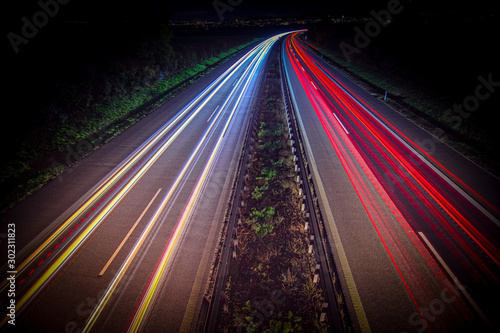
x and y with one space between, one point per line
273 278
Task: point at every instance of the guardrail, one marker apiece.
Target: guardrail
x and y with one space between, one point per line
207 321
335 310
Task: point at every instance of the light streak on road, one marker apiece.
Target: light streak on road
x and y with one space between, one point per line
258 55
176 237
460 209
454 278
103 270
374 147
122 171
351 161
111 190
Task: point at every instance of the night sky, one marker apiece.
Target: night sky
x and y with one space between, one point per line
180 10
114 13
438 47
205 9
108 17
151 10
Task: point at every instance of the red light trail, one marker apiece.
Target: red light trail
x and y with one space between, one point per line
376 155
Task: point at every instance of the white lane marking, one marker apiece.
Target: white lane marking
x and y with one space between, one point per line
344 263
454 278
447 178
98 309
314 85
345 129
217 108
176 237
128 235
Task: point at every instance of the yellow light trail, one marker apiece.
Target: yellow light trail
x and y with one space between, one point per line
133 159
110 181
177 235
181 226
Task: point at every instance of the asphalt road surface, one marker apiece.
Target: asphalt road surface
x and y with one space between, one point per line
414 226
124 240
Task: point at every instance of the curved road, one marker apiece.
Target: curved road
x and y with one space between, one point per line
417 245
133 252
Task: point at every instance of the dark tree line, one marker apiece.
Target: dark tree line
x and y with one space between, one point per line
433 56
86 58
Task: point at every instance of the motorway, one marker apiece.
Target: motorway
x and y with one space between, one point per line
124 240
414 226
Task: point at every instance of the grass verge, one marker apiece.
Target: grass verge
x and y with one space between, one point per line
43 156
271 285
420 106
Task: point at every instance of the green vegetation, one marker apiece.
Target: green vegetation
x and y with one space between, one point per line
421 61
88 107
271 285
